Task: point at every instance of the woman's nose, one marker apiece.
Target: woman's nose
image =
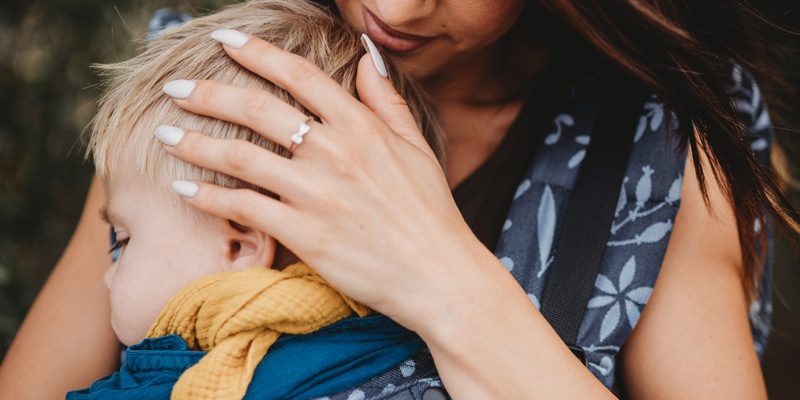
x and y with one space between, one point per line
401 14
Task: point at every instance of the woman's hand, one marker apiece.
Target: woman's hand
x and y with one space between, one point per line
363 200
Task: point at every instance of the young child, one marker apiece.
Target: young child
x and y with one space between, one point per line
214 270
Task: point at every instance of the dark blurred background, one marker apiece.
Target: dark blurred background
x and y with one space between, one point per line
47 95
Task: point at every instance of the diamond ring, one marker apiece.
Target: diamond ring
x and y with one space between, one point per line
297 137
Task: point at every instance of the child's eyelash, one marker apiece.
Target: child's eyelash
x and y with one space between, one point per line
118 245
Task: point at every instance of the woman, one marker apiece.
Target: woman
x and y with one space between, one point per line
481 62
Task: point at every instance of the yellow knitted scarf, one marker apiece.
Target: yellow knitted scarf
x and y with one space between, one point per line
237 316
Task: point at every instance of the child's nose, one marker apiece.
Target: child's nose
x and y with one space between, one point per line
109 275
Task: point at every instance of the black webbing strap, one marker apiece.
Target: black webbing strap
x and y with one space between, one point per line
582 238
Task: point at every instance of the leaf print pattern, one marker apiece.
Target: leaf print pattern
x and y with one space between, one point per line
507 262
623 200
576 158
652 118
522 188
643 195
388 389
535 300
652 234
546 219
605 367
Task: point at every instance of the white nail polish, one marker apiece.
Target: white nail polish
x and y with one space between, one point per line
169 135
179 89
229 37
185 188
377 60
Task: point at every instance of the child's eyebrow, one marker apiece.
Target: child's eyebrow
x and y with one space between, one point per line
104 215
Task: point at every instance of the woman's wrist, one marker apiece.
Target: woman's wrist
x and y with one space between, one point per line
488 340
462 288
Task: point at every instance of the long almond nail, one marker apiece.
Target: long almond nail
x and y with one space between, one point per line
179 89
185 188
377 60
229 37
169 135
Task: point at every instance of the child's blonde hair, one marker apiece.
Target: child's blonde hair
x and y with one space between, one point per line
133 104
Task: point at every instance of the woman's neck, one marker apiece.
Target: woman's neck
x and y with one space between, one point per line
478 99
494 76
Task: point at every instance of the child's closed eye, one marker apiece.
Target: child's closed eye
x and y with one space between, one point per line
118 245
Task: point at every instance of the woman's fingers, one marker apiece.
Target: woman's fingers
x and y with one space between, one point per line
378 94
258 110
244 206
237 158
304 80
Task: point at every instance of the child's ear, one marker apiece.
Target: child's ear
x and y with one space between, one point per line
249 247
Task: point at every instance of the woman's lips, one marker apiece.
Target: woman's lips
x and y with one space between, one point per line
390 39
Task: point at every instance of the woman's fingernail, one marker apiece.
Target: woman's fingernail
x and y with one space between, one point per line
377 60
229 37
185 188
169 135
179 89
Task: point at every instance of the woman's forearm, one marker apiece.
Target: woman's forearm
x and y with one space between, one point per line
66 341
489 341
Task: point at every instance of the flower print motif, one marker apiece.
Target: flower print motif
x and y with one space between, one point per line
357 395
407 368
618 298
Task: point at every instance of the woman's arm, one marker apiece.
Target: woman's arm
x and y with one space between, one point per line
66 341
364 202
693 340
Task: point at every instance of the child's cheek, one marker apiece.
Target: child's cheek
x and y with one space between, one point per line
135 301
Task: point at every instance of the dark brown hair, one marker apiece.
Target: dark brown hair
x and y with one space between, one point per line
685 50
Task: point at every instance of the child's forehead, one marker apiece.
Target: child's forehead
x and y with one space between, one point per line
127 189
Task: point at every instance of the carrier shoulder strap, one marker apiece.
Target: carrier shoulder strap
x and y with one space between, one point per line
584 233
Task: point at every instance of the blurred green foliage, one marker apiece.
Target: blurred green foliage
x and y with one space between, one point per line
47 97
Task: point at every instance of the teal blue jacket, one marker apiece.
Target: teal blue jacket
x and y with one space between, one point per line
330 360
